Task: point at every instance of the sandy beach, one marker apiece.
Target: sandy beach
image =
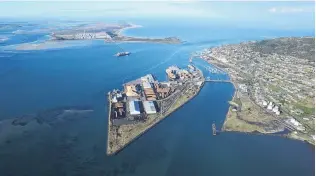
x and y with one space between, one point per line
120 31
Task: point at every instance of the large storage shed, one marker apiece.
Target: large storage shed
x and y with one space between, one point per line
134 107
149 107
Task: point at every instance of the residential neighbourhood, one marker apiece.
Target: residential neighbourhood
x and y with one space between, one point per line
276 78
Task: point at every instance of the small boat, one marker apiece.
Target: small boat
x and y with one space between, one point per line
214 129
122 54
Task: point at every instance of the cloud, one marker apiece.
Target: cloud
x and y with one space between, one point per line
104 9
273 10
290 9
155 1
183 1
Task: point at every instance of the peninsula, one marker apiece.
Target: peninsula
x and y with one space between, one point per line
71 36
146 101
107 32
274 86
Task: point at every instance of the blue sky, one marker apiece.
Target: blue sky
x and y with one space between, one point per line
298 14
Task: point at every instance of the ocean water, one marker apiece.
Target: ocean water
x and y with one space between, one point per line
182 144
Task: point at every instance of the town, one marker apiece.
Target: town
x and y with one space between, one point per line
274 85
146 101
108 32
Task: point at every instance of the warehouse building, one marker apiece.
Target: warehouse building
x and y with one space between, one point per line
191 68
149 107
146 85
148 78
131 91
148 90
134 107
150 94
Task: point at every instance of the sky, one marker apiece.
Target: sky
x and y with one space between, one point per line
286 14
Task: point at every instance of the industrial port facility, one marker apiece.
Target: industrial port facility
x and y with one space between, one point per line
145 101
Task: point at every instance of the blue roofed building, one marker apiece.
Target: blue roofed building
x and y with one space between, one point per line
134 107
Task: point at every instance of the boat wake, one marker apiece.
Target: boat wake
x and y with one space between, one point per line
171 56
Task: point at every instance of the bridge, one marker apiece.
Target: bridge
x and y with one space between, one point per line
217 80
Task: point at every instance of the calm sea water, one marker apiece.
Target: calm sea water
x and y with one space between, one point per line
180 145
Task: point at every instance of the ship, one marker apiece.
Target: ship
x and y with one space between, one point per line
214 129
122 54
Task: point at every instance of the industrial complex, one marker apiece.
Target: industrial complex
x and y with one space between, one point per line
145 101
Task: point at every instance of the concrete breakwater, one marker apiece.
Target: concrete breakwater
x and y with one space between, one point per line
109 123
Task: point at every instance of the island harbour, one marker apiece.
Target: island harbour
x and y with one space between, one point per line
145 102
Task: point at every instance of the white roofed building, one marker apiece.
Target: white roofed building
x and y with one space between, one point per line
275 109
148 78
149 107
270 106
243 88
146 85
114 100
296 124
119 95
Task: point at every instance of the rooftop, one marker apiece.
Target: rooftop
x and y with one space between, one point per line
149 107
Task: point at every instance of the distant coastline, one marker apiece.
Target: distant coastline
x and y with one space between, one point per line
108 32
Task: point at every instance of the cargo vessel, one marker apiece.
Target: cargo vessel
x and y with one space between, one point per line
214 129
122 54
